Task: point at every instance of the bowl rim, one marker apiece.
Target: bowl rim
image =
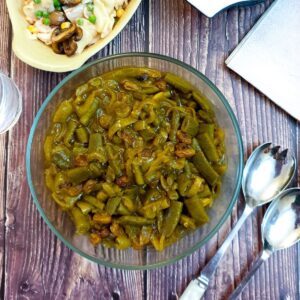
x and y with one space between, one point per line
239 169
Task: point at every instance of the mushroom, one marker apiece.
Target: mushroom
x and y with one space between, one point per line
70 46
70 2
78 34
56 18
61 36
57 48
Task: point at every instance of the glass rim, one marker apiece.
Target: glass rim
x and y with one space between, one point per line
239 169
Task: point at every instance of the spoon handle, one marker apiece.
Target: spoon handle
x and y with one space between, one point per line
199 285
264 255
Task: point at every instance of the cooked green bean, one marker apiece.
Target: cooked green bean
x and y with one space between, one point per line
208 147
172 218
94 201
205 168
112 205
134 220
136 157
62 113
81 221
82 135
196 210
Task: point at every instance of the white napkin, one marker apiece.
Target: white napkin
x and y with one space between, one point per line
269 56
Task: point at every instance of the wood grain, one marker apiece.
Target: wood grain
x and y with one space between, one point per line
36 265
5 53
205 44
44 267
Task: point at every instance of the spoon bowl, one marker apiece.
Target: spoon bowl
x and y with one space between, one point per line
266 173
281 224
280 230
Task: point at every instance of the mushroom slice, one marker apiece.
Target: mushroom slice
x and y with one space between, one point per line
70 2
63 35
78 34
56 18
57 48
70 47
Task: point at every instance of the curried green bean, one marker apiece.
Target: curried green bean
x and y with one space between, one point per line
172 218
136 158
134 220
80 220
196 210
208 147
205 169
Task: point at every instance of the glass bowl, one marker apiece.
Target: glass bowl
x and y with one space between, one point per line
59 221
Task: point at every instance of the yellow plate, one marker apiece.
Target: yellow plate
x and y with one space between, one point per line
36 54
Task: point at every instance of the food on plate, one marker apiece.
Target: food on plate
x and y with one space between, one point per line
135 157
69 26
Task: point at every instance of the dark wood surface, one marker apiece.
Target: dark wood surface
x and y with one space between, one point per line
36 265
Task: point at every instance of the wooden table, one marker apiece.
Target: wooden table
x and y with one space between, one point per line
36 265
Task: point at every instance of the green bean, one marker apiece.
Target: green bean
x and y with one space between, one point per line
184 183
102 196
178 83
78 175
119 125
94 201
204 168
64 110
206 192
80 220
175 123
85 119
70 201
82 135
208 147
207 128
62 157
85 207
122 210
81 110
69 135
220 168
134 220
112 205
190 125
145 235
150 210
187 222
160 221
137 173
172 218
205 116
196 210
203 103
122 242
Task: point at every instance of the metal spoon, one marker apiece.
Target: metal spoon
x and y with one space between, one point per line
266 174
280 229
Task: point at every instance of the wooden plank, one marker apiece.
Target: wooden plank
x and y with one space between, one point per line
38 265
205 43
5 51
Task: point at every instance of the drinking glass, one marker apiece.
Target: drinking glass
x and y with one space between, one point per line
10 103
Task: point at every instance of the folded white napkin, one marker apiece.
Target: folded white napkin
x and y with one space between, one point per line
269 56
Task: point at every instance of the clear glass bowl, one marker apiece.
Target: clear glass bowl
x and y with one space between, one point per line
60 223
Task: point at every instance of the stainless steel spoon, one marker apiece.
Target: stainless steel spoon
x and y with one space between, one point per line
280 229
266 174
